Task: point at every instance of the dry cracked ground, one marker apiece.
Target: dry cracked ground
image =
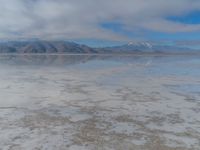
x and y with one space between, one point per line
106 104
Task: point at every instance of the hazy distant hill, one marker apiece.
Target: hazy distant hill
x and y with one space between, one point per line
71 47
145 47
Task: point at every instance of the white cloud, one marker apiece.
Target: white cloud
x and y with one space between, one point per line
75 19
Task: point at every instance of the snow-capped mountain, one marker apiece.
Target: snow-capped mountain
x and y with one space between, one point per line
141 44
147 47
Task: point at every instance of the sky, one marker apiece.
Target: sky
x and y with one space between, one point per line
102 22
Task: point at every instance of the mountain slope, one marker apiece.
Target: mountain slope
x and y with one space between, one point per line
44 47
145 47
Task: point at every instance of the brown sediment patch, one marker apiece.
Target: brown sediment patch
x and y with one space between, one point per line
89 133
42 120
174 118
156 143
124 118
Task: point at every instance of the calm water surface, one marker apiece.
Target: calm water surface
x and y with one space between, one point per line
87 102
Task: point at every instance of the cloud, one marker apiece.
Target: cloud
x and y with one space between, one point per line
79 19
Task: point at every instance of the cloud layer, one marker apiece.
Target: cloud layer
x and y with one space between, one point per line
82 19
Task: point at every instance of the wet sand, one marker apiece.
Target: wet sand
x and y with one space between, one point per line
99 103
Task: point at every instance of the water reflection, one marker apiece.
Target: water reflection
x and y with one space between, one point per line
74 59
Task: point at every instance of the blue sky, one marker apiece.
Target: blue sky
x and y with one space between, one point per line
102 23
192 17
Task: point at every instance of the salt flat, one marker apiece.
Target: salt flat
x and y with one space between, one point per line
93 102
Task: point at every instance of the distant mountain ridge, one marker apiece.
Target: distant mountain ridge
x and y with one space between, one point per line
71 47
44 47
146 47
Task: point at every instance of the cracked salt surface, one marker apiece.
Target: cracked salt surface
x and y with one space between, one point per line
103 102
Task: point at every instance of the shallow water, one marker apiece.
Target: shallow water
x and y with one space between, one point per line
78 102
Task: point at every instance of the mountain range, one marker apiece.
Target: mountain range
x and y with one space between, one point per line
71 47
44 47
146 47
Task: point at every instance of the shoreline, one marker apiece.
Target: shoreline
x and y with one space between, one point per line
100 54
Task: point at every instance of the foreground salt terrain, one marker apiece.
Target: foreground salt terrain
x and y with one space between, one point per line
99 102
